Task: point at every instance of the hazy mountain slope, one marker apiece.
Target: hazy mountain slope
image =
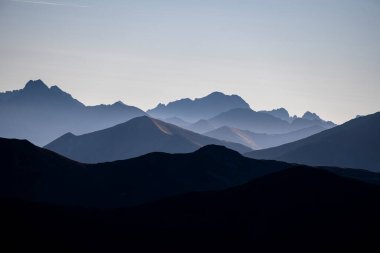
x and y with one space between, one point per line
354 144
201 126
177 121
307 120
247 119
199 108
261 141
280 113
35 174
136 137
297 208
41 114
263 122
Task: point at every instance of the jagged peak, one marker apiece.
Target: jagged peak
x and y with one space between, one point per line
36 84
56 88
310 116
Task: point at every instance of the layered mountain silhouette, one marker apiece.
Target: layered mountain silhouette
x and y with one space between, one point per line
199 108
177 121
354 144
296 208
280 113
41 114
261 141
136 137
201 126
263 122
35 174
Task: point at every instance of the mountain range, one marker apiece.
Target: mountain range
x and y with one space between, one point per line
133 138
354 144
35 174
261 141
212 197
199 108
257 122
41 114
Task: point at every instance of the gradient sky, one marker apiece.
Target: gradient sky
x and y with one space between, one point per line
317 55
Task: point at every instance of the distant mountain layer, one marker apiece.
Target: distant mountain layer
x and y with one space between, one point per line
35 174
355 144
294 209
41 114
136 137
280 113
261 141
262 122
199 108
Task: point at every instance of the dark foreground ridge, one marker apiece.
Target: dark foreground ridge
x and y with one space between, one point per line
211 198
302 208
36 174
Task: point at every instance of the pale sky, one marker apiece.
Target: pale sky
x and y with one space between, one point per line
316 55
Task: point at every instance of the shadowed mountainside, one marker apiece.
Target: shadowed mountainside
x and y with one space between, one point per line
355 144
36 174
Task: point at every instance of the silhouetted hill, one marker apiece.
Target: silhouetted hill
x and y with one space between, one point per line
199 108
41 114
136 137
355 144
295 209
261 141
35 174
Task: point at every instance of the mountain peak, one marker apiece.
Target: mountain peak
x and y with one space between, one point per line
119 104
192 110
55 88
311 116
216 93
36 84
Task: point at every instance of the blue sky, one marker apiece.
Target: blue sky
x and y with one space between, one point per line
317 55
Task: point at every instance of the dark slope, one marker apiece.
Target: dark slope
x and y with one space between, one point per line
41 114
298 208
199 108
136 137
260 141
355 144
35 174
